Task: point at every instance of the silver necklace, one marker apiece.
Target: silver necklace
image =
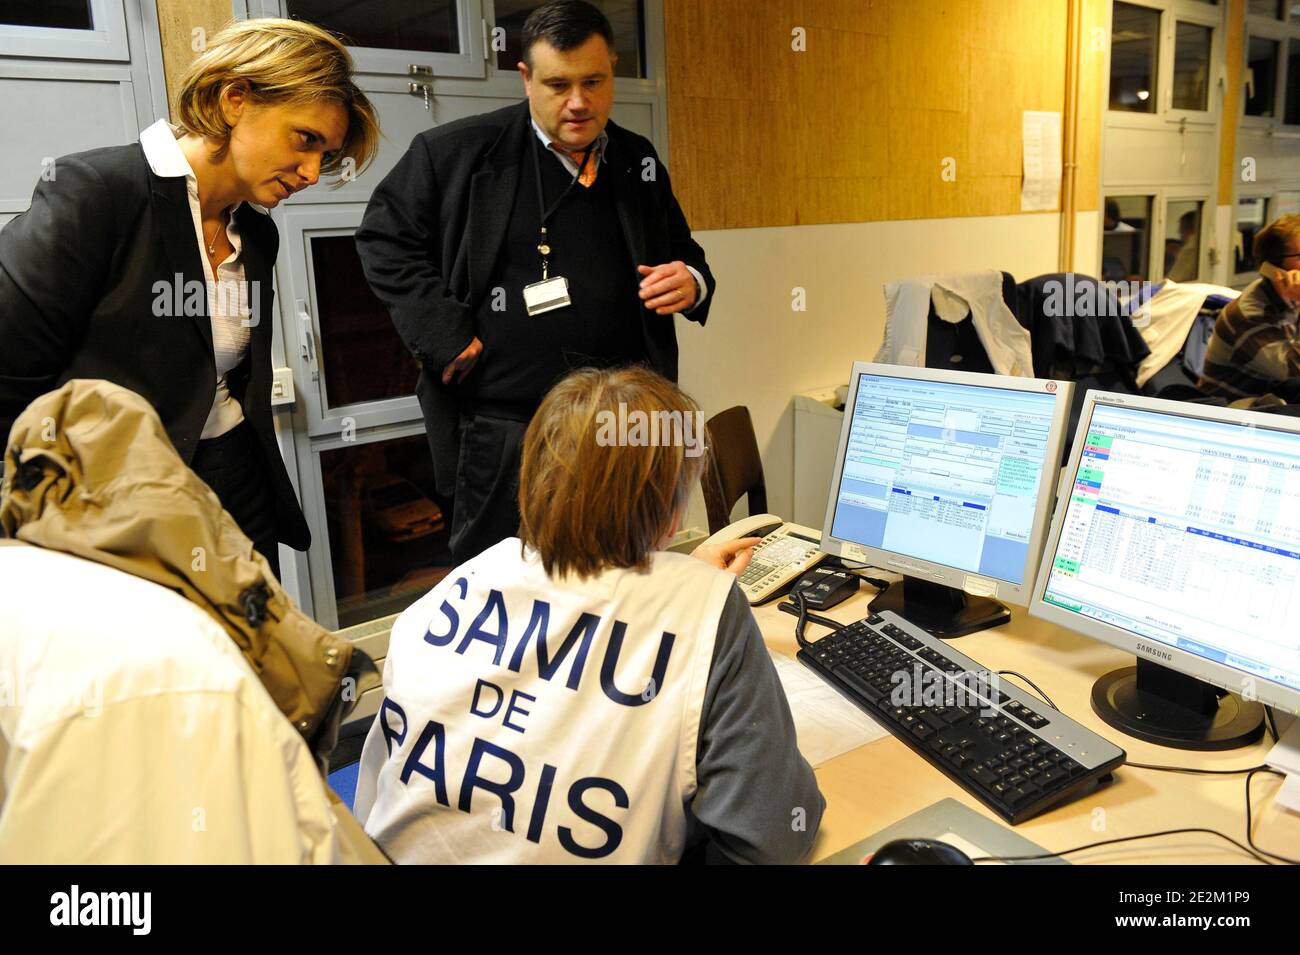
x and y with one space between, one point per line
212 246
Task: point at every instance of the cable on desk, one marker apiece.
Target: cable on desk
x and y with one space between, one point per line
873 581
1199 772
1110 842
858 571
1249 838
1041 695
1270 720
1251 849
800 610
1250 772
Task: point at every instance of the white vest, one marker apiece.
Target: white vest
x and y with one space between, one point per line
531 720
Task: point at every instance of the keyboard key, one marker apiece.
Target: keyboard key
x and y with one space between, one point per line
983 776
934 719
1019 795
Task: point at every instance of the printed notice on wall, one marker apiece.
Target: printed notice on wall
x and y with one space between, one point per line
1042 146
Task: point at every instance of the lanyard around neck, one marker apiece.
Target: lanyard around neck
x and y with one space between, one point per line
543 243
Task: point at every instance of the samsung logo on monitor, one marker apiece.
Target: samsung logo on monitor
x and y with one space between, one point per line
1153 652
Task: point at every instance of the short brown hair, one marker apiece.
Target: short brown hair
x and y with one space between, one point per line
1273 242
277 61
587 503
565 25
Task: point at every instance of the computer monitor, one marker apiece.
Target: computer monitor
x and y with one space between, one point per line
1179 542
947 478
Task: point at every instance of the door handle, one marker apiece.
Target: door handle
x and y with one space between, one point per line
418 89
307 340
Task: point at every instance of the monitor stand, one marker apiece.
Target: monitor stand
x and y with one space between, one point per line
1160 705
944 611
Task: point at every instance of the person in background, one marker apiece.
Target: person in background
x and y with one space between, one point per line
547 201
1255 347
1184 266
150 265
578 693
1111 221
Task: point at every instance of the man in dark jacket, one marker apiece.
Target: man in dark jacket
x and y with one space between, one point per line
515 246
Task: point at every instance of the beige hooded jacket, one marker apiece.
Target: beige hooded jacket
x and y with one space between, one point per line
90 471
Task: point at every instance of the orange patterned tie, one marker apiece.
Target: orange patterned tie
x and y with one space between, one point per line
589 171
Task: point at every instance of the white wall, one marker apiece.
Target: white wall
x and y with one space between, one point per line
758 352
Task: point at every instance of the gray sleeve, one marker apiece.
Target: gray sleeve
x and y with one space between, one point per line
757 799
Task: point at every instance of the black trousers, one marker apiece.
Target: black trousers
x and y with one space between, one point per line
486 508
233 466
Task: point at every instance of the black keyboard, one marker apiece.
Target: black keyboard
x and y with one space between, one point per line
1010 750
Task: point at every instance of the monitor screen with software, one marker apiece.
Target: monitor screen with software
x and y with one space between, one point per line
1179 542
946 477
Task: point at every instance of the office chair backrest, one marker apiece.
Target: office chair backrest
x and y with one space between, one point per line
733 467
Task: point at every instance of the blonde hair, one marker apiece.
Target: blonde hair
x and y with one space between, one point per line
276 62
586 505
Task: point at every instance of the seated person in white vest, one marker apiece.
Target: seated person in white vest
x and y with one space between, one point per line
577 693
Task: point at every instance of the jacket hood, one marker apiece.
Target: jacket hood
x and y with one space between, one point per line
89 471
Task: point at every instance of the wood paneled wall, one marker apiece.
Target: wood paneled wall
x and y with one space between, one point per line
858 126
177 20
1093 86
1233 89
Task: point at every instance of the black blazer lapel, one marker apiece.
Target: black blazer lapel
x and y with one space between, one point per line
258 276
622 167
491 199
175 225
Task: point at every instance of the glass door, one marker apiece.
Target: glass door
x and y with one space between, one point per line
384 526
64 29
352 370
420 40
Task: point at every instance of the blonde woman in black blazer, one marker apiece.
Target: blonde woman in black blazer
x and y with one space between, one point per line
105 275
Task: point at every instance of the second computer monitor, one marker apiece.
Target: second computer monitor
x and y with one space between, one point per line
1179 542
947 478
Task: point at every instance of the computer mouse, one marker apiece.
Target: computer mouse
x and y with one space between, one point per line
918 852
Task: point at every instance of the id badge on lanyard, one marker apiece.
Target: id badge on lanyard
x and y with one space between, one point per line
551 292
547 295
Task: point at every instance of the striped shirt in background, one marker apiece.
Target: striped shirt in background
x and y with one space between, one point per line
1255 346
